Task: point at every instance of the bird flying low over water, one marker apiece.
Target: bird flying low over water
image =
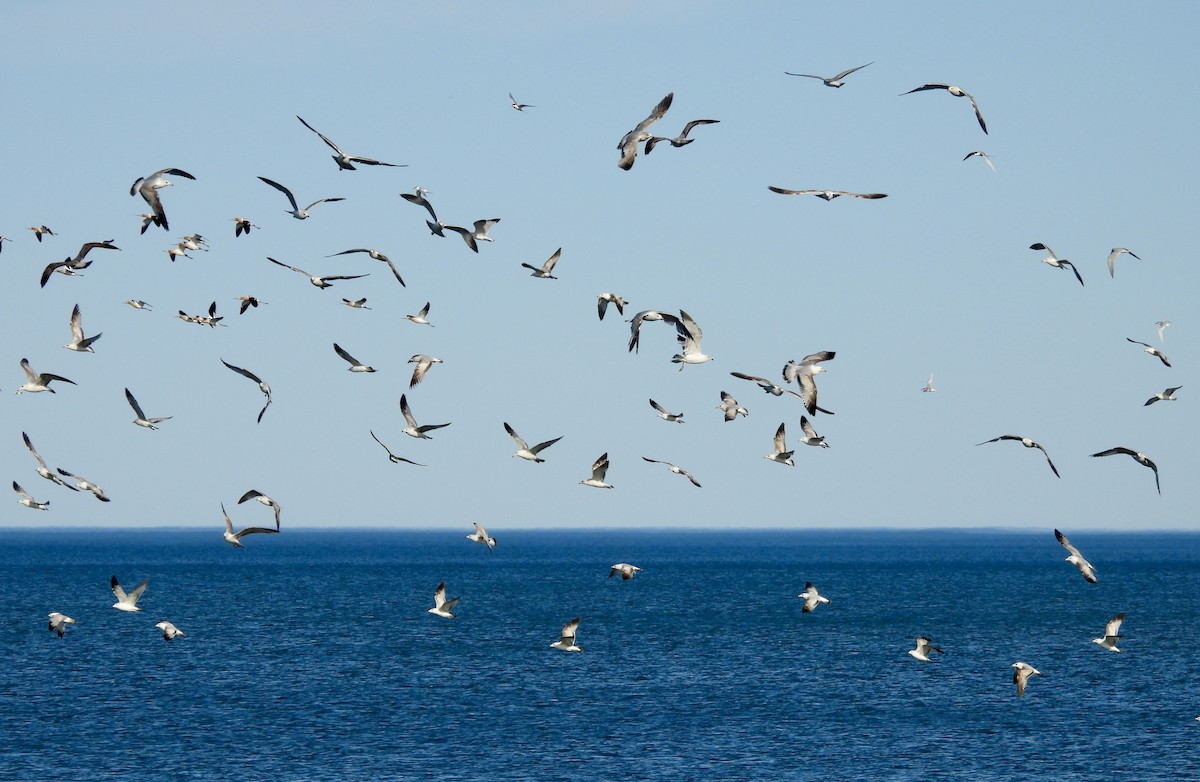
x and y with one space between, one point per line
1021 676
1077 559
1055 261
320 281
36 382
59 622
923 648
545 271
423 363
412 430
689 336
665 414
826 195
128 601
148 186
1112 259
566 641
831 81
781 455
441 605
79 343
141 419
626 570
1025 441
675 469
235 538
27 499
258 496
262 386
374 255
1112 632
346 162
296 211
355 364
1151 350
169 631
957 92
811 597
69 266
1163 396
983 156
1138 457
604 299
523 449
803 373
393 458
730 407
599 470
480 535
629 142
682 139
520 106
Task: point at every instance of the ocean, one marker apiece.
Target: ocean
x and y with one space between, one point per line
311 656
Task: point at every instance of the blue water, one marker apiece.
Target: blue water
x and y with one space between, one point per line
310 656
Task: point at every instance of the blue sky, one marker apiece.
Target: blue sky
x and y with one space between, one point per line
1090 131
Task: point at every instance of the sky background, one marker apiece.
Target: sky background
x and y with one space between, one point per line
1090 130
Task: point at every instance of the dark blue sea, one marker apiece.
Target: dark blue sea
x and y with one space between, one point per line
311 656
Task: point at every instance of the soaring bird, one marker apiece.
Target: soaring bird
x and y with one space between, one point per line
423 363
803 373
520 106
566 641
781 454
262 386
1138 457
69 266
604 299
296 211
923 648
83 484
59 622
1163 396
831 81
826 195
355 364
983 156
666 414
42 469
393 458
957 92
1077 559
1021 676
148 186
675 469
412 430
1112 259
36 382
626 570
1151 350
128 601
141 419
1025 441
321 281
629 142
346 162
523 449
599 470
682 139
811 597
545 271
810 435
79 343
258 496
689 336
420 317
1162 324
375 255
1055 261
441 605
480 535
27 499
472 236
730 407
235 538
1111 633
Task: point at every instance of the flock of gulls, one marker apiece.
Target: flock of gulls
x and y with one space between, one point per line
797 378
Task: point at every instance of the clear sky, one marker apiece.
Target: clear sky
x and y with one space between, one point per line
1091 121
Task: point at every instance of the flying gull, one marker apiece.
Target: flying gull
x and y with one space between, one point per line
418 197
321 281
27 499
929 384
730 407
1163 396
1112 259
419 318
523 449
128 601
689 335
665 414
1021 676
346 162
566 641
628 144
412 430
810 435
825 195
599 470
626 570
1138 457
1111 633
375 255
1025 441
169 631
255 494
924 647
1085 568
79 343
69 266
355 364
423 363
545 271
39 382
811 597
42 469
831 81
682 139
520 106
803 373
781 455
59 622
477 233
441 606
1162 324
1055 261
235 538
675 469
604 299
636 321
393 458
141 419
147 187
982 155
296 211
480 535
262 386
957 92
1151 350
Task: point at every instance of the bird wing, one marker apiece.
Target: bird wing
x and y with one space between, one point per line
324 138
284 265
36 455
467 236
291 198
243 372
542 446
569 629
1074 269
420 201
250 495
516 437
133 403
930 86
849 71
600 467
548 266
118 591
655 115
785 191
1062 539
407 412
353 361
1117 450
659 407
978 114
808 393
807 427
781 439
1113 628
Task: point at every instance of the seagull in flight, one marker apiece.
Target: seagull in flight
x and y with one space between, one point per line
235 538
599 470
629 142
42 469
127 601
39 382
27 499
646 315
1152 351
1025 441
377 256
417 197
831 81
689 335
626 570
810 435
1085 568
1162 324
781 455
982 155
472 236
355 364
69 266
803 373
1055 261
929 384
83 484
1163 396
520 106
1021 676
604 299
59 622
258 496
169 631
523 449
346 162
321 281
1112 259
393 458
423 363
262 386
665 414
675 469
924 647
419 318
1138 457
730 407
296 211
682 139
79 343
441 606
811 597
148 186
826 195
242 226
412 430
141 419
1112 632
545 270
957 92
566 641
480 535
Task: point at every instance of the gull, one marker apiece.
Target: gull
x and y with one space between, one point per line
42 469
419 318
59 622
169 631
79 343
1085 568
27 499
147 187
1025 441
128 602
810 435
412 430
811 597
1151 350
138 304
1162 324
520 106
247 302
545 270
523 449
141 419
781 455
1112 259
441 606
468 236
1163 396
825 195
673 468
1111 633
605 299
981 154
393 458
957 92
566 641
924 647
255 494
38 382
730 407
803 373
626 570
418 197
1055 261
235 538
480 535
929 384
629 142
689 335
774 389
375 256
832 81
1138 457
478 233
346 162
69 266
262 386
599 469
1021 676
40 230
242 226
356 304
646 315
355 364
320 281
148 219
665 414
682 139
83 484
296 211
423 363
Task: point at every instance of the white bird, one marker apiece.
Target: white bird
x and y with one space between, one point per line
810 435
147 187
1151 350
169 631
566 641
675 469
423 363
1112 259
235 538
419 318
767 386
1112 632
981 154
59 622
356 304
1077 559
441 606
79 343
296 211
629 142
1021 676
242 226
626 570
923 648
520 106
682 139
355 364
480 535
599 470
1138 457
832 81
141 419
318 280
826 195
69 266
1055 261
523 449
803 373
545 271
375 255
636 321
929 384
1163 396
418 198
38 382
689 335
480 228
1162 324
1025 441
262 386
781 455
665 414
83 484
393 458
412 430
27 499
730 407
259 497
42 469
811 597
957 92
138 304
604 299
346 162
128 602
